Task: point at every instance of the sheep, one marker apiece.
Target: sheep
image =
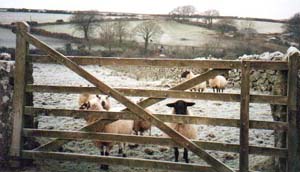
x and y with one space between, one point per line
189 75
219 83
85 97
188 130
5 56
141 125
99 103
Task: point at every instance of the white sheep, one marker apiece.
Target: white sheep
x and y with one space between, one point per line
85 97
5 56
100 103
219 83
189 75
188 130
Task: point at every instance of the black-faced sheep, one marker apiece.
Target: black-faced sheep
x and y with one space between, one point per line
101 103
189 75
188 130
219 83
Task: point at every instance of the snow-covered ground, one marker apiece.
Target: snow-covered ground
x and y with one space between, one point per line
52 74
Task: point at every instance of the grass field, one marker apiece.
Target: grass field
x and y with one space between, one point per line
176 33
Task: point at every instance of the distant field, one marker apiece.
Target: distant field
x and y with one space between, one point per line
177 33
174 33
262 27
8 39
9 17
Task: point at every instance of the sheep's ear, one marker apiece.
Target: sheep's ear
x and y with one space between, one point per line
171 104
99 97
190 103
88 105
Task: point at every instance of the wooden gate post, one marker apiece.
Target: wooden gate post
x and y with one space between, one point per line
19 91
292 113
244 117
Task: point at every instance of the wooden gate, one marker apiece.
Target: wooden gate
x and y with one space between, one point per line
134 111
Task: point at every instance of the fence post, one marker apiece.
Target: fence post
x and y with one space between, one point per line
19 91
244 117
292 138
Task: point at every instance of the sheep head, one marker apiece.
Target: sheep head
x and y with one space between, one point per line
180 106
105 101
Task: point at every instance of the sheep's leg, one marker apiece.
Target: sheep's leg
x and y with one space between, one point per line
150 132
102 166
213 89
101 150
176 153
120 149
124 150
186 155
105 167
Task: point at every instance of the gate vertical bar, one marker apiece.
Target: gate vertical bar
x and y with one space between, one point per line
19 89
244 117
292 113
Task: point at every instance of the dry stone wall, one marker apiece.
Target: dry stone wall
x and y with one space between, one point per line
6 93
261 80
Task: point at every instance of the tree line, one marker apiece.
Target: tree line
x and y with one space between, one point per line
111 33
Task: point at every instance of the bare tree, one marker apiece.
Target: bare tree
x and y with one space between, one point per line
86 22
121 30
248 30
107 34
225 26
148 30
210 14
293 28
182 11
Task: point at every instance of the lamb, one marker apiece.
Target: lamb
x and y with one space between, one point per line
219 83
85 97
99 103
188 130
189 75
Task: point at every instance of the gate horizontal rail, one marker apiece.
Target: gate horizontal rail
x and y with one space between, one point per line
109 160
229 97
254 124
209 145
205 64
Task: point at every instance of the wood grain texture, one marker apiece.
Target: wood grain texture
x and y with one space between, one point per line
19 89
